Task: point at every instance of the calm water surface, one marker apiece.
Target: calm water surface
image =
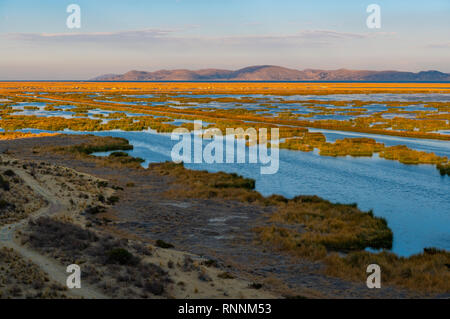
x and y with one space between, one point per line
414 199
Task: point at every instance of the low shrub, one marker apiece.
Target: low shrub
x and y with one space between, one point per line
162 244
426 272
119 154
112 200
9 173
4 204
225 275
122 256
93 210
4 184
101 184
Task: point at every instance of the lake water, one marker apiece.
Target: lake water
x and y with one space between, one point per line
414 199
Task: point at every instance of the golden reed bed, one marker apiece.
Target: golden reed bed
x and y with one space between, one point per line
229 87
17 135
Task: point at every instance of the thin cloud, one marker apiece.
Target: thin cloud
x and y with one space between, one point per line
92 36
165 34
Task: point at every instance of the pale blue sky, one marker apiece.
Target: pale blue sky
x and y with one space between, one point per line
117 36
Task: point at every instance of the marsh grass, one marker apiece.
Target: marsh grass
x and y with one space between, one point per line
426 272
444 169
316 229
308 226
202 184
311 226
96 144
104 144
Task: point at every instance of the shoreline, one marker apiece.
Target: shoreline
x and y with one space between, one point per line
61 160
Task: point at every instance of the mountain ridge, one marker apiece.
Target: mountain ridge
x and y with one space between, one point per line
274 73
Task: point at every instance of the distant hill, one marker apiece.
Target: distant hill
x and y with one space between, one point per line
274 73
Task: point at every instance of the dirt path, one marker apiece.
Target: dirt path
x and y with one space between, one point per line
212 229
54 270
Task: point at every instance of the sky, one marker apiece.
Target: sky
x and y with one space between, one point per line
118 36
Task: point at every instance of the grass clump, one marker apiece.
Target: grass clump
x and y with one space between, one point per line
211 263
4 184
102 144
203 184
125 158
426 272
121 256
224 180
255 285
102 184
9 173
112 200
94 210
444 169
96 144
225 275
310 226
4 204
405 155
118 154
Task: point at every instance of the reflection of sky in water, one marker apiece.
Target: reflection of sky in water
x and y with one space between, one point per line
297 108
41 112
414 199
62 112
441 148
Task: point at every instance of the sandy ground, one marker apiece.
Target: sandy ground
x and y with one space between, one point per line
67 194
204 229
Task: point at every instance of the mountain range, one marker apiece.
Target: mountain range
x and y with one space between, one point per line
274 73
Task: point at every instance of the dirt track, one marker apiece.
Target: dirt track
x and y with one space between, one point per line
214 229
55 271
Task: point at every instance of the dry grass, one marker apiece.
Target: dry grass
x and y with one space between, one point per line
114 265
202 184
20 278
17 200
99 144
313 228
426 272
405 155
444 169
304 224
310 226
16 135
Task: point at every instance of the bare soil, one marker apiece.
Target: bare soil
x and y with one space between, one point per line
217 231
